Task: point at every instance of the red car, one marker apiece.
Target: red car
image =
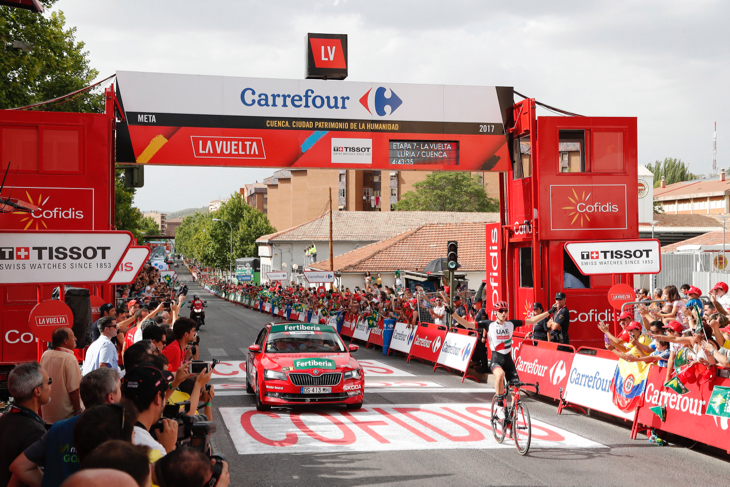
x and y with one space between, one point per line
302 363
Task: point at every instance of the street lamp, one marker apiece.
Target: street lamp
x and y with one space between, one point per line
230 257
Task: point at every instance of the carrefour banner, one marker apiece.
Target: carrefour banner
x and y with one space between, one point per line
224 121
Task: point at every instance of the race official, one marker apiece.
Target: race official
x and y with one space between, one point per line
63 368
540 329
103 353
559 321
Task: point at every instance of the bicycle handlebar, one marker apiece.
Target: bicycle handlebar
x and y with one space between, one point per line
520 385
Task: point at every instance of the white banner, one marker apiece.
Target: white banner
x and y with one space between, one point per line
403 337
277 276
641 256
362 332
129 268
456 351
52 257
315 317
319 276
589 385
172 274
162 93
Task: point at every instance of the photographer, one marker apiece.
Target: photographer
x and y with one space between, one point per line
146 385
178 351
187 467
196 390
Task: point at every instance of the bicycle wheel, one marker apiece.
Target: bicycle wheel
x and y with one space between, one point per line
521 428
498 429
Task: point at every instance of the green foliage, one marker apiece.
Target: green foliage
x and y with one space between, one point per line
149 226
658 208
55 65
209 242
673 170
448 191
186 212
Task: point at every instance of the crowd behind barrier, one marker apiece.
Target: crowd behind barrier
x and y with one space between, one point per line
665 367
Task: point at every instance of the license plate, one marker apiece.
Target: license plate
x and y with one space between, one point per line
316 390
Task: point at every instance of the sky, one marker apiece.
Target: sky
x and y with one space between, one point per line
665 62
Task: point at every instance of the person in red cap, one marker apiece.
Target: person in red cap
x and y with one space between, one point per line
719 294
624 319
632 346
694 294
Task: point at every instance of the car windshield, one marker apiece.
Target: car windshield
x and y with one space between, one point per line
304 341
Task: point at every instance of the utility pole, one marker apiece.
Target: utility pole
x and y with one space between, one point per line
332 259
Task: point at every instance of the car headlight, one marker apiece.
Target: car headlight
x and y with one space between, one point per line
354 374
274 375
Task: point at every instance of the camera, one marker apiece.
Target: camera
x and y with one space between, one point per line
167 304
198 366
190 432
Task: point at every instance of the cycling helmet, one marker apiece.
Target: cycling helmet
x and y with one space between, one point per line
500 305
195 296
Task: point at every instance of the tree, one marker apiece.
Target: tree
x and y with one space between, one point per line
448 191
673 170
149 226
50 64
209 242
127 217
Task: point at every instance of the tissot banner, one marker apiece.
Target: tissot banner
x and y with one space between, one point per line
60 257
224 121
641 256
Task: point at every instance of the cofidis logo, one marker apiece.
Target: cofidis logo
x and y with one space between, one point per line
59 209
591 207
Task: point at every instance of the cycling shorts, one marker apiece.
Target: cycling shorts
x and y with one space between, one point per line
504 361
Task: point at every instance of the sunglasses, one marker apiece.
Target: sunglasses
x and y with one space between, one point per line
502 311
50 381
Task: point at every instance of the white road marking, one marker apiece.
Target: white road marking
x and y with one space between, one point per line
217 352
239 389
381 427
373 367
400 383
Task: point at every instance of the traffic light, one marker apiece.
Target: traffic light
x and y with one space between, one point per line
452 255
134 177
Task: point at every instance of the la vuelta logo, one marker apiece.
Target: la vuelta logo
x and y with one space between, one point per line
591 207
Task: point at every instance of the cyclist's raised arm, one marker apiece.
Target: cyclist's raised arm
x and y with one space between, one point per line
462 321
536 318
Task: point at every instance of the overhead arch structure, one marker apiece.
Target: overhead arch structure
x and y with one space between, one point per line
187 120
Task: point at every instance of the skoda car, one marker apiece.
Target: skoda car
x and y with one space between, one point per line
301 363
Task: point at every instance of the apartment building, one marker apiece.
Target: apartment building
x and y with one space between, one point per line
300 195
160 219
255 196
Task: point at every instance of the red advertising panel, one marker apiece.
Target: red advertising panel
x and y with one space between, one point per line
427 342
588 206
47 316
348 327
96 303
217 121
59 209
494 284
685 413
543 364
376 335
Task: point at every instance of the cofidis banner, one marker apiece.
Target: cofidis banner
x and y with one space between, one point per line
220 121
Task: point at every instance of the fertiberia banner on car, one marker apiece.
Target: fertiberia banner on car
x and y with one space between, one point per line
224 121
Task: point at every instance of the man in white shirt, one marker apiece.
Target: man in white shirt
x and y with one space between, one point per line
438 312
102 353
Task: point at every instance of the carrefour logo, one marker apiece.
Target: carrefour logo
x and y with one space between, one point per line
582 211
410 337
380 101
467 352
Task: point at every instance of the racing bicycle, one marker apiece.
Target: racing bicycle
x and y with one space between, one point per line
516 417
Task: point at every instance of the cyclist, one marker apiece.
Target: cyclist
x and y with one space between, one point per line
499 332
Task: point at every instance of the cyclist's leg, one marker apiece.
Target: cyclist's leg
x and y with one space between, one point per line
498 372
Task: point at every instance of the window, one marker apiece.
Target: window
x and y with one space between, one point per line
572 278
525 266
608 151
522 164
61 150
342 193
393 192
19 145
571 147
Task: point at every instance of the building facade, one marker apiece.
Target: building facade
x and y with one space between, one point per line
255 195
160 219
703 197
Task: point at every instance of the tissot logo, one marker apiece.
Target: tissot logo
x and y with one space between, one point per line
53 253
353 151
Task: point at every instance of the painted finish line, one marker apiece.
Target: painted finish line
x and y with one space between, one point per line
381 427
237 369
239 388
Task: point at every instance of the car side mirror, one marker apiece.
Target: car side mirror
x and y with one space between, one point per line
254 348
354 348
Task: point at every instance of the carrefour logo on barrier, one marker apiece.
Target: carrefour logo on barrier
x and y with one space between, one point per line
308 363
467 352
436 344
557 372
410 337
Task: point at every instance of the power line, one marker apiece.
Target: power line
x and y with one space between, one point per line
550 108
53 100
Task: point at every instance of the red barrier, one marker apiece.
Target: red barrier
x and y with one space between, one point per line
427 342
376 335
539 361
685 413
348 327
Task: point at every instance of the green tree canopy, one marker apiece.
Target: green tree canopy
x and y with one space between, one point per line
448 191
50 64
673 170
209 242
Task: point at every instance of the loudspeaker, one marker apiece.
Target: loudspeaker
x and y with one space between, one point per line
78 299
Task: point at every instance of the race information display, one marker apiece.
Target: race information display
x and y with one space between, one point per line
255 122
414 152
